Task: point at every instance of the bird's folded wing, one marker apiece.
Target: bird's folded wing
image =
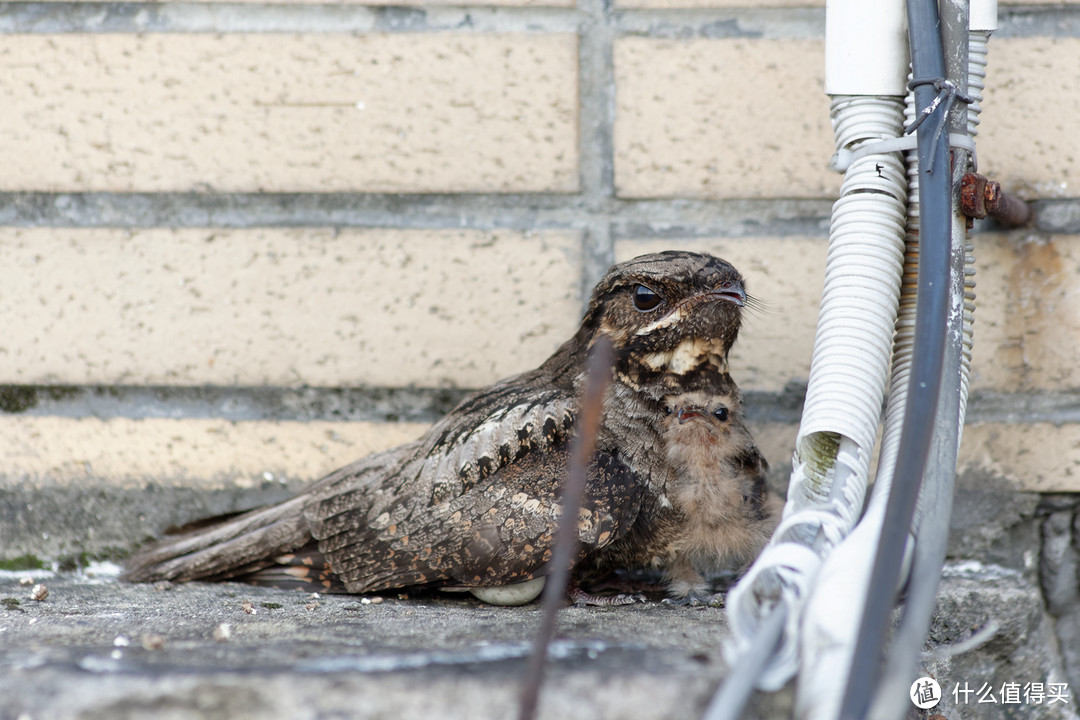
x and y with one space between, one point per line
500 531
488 431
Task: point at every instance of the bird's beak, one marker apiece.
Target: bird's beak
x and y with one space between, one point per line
685 414
732 292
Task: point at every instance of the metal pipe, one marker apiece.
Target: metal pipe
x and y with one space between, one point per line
1009 210
981 197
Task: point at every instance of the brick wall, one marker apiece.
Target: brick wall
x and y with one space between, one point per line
244 244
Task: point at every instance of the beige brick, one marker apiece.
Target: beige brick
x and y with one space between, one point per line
722 118
1028 139
281 113
1027 317
1036 457
193 453
212 454
674 4
425 3
785 277
283 306
397 3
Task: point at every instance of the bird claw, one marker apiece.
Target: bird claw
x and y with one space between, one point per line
693 599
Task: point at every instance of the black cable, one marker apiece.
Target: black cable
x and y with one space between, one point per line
935 498
927 62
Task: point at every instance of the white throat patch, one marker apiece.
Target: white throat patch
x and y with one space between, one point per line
687 355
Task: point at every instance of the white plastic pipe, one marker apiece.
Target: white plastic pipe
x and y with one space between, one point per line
983 17
866 51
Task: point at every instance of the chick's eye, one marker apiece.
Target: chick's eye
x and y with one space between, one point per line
721 414
645 299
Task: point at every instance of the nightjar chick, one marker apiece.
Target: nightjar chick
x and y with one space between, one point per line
724 511
474 502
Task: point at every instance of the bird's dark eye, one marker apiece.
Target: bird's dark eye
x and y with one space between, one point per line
721 414
645 299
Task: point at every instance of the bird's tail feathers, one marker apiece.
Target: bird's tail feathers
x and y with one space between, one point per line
235 546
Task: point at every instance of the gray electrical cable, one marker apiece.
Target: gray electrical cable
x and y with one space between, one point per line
928 65
935 501
728 703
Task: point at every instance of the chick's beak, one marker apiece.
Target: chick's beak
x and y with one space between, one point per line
684 414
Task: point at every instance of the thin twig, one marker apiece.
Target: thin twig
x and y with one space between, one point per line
978 638
566 538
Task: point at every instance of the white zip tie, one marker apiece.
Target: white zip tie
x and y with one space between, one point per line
843 159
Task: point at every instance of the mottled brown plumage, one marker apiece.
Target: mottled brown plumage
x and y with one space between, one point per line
474 502
724 512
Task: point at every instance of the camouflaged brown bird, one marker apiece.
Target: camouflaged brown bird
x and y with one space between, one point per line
724 511
474 503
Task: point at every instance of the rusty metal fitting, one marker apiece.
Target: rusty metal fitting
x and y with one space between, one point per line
980 197
973 195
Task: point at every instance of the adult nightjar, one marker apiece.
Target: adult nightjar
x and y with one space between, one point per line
474 503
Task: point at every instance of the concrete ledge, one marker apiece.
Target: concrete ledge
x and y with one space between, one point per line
143 651
95 649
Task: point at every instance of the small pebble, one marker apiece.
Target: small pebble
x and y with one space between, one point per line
121 641
247 607
222 632
39 592
153 641
26 581
311 605
116 654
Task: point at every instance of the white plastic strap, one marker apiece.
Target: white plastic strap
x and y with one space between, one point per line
843 158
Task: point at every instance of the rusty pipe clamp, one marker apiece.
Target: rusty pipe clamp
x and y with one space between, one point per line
980 197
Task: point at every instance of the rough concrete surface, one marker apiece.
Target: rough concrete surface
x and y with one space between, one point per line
1022 650
98 648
